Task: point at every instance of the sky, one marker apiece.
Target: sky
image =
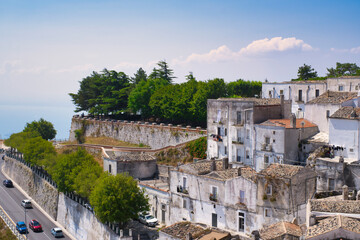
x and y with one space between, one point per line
48 46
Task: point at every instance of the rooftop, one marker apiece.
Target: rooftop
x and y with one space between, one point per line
277 170
279 229
129 156
332 223
256 101
347 113
330 97
181 229
155 184
335 206
300 123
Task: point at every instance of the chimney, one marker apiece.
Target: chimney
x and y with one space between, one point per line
225 163
213 165
239 171
282 105
345 192
293 121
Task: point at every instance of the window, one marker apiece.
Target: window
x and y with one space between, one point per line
218 117
269 190
213 195
351 150
225 150
242 196
270 95
267 140
331 183
218 153
184 203
273 140
247 154
266 160
300 96
239 135
238 156
241 222
109 168
281 92
341 88
274 132
247 114
247 134
184 183
317 93
327 113
238 120
219 131
225 131
267 212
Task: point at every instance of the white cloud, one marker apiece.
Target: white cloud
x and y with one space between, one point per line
355 50
76 68
223 53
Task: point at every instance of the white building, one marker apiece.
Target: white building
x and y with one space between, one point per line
344 132
230 125
301 92
277 141
321 108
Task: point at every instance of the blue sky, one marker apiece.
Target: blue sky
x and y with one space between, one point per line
48 46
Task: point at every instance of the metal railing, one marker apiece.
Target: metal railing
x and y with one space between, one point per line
10 223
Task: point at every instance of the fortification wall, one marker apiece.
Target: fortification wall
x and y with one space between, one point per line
154 135
35 186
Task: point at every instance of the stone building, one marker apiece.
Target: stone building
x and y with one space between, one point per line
277 141
137 164
321 108
301 92
231 124
239 199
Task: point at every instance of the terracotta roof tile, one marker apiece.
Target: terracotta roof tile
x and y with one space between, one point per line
342 206
333 223
347 113
330 97
256 101
276 170
300 123
279 229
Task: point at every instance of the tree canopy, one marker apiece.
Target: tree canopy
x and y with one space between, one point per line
343 69
305 72
44 128
118 198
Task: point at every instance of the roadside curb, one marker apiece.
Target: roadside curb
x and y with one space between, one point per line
38 206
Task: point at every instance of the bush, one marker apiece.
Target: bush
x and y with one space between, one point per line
197 148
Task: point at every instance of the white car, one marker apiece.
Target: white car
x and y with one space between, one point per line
57 232
148 220
26 203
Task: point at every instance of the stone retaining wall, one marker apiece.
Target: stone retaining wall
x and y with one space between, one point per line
36 187
154 135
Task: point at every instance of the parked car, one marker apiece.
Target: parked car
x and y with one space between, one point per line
57 232
148 220
21 227
35 226
8 183
26 203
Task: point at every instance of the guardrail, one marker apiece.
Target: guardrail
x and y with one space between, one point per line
10 223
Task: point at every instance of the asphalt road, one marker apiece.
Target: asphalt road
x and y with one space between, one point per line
10 200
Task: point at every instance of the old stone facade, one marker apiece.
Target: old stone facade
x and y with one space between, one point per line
231 126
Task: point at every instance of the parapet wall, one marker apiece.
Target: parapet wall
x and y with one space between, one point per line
36 187
154 135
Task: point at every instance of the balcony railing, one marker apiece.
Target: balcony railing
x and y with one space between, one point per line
238 141
213 197
181 189
266 147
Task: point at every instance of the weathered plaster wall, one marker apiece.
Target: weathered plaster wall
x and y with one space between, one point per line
156 136
81 222
36 187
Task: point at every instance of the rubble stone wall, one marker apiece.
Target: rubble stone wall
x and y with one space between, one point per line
154 135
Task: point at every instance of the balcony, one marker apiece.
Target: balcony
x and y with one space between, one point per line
238 141
213 197
238 124
216 138
181 189
266 147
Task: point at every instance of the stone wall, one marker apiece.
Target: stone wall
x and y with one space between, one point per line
154 135
81 222
36 187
